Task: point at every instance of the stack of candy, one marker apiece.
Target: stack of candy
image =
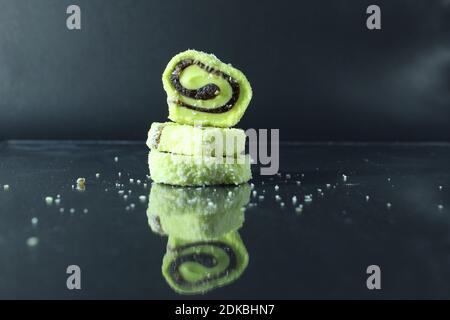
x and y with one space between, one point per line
206 97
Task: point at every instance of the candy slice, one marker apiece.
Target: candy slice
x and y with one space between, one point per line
195 214
185 170
188 140
202 90
198 267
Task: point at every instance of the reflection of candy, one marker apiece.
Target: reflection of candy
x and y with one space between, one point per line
198 170
203 90
196 214
207 260
204 250
197 267
188 140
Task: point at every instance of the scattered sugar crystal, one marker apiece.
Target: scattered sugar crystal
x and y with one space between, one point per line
138 181
298 182
120 192
294 200
61 210
97 175
116 159
34 221
440 188
308 198
6 187
328 186
282 204
388 205
344 177
254 193
58 196
119 174
288 176
131 180
367 198
49 200
145 185
299 209
277 187
85 210
261 197
440 207
125 197
252 185
72 210
81 184
277 198
142 198
132 205
32 242
58 201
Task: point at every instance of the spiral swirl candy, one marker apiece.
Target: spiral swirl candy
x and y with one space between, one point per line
196 141
182 170
202 90
197 267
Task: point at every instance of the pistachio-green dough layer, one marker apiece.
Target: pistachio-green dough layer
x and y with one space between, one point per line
197 267
196 141
184 170
195 214
194 77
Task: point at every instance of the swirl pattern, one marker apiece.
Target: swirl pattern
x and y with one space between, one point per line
206 92
205 259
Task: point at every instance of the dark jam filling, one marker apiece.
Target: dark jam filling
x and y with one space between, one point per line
204 259
207 92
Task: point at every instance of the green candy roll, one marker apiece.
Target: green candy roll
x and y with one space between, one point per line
185 170
196 141
195 214
202 90
197 267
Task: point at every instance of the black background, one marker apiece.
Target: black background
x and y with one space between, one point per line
317 72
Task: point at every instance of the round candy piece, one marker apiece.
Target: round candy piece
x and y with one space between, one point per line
196 141
202 90
185 170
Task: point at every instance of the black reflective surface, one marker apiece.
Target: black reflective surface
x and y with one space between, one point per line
321 251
